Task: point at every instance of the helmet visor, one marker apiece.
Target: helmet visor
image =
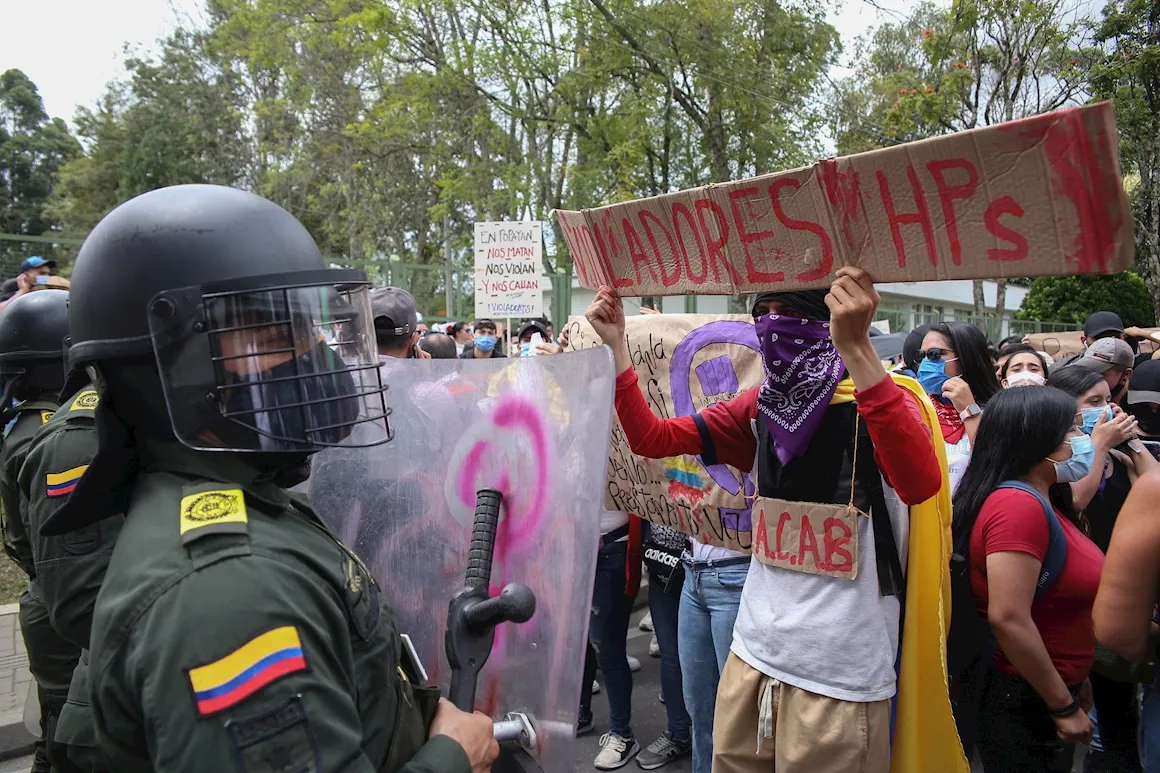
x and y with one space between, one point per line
284 365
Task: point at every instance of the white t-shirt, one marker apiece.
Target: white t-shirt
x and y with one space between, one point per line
611 520
958 457
828 635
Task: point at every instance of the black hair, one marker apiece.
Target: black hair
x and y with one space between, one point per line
913 345
1011 350
1074 380
976 366
1019 429
1009 341
485 323
456 328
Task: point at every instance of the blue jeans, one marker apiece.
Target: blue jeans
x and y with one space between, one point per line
608 637
664 606
709 604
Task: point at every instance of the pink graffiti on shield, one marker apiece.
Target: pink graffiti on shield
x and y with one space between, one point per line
520 422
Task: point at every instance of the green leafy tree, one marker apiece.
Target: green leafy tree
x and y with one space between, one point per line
178 119
974 63
1129 74
32 149
1074 298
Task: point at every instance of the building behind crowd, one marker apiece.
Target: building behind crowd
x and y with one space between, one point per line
905 305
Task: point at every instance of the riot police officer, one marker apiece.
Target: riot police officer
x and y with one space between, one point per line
70 567
33 328
233 631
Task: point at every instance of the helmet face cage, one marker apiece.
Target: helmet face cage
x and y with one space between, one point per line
272 364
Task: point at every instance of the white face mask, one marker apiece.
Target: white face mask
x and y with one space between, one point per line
1025 378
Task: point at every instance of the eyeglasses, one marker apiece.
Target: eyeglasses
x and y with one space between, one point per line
935 354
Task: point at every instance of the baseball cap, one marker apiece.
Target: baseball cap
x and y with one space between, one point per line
1102 322
532 326
36 262
393 310
1104 354
1144 386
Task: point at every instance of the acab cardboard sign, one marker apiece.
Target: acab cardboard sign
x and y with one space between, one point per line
1037 197
684 363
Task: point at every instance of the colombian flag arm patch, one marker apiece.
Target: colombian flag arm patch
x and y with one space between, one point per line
264 659
61 484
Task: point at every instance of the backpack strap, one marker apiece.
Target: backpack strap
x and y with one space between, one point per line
1056 540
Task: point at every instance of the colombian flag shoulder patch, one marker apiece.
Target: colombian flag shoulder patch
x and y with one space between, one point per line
262 660
61 484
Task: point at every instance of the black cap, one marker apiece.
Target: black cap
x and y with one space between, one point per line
532 325
1103 322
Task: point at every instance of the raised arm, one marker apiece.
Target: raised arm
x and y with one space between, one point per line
720 433
902 442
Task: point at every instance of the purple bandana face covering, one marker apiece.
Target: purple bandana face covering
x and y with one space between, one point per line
802 371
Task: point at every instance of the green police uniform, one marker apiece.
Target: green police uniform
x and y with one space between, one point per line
234 632
71 567
51 658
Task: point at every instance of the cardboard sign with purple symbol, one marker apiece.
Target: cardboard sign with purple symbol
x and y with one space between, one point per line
685 363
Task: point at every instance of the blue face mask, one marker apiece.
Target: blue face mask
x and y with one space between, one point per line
485 343
1092 415
932 375
1083 453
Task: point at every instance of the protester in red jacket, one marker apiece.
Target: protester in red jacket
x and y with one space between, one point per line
809 681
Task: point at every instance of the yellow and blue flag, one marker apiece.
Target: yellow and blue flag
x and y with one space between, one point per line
260 661
61 484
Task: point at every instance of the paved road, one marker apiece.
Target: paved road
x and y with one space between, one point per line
648 713
16 765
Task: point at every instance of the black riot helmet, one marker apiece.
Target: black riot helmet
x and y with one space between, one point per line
214 308
33 329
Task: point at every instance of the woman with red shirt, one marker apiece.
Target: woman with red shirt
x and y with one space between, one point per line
1035 696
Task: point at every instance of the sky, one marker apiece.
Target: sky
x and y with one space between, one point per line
72 48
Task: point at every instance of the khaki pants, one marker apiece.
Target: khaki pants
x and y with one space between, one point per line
803 732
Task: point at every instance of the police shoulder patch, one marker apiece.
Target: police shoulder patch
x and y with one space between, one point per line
85 401
262 660
45 416
207 511
61 484
276 741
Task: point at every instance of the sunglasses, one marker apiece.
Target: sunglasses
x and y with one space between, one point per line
935 354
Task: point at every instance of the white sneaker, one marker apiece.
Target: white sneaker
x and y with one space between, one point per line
654 647
615 752
646 622
595 687
633 664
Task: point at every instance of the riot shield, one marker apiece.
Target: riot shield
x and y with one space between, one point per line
537 429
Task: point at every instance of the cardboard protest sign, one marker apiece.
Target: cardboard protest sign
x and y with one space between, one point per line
508 266
807 537
1036 197
686 362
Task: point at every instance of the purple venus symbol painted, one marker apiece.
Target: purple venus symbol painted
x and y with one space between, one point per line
716 376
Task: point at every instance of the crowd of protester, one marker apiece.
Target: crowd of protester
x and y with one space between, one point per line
1041 456
1052 466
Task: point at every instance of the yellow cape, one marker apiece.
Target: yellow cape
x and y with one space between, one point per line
925 737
